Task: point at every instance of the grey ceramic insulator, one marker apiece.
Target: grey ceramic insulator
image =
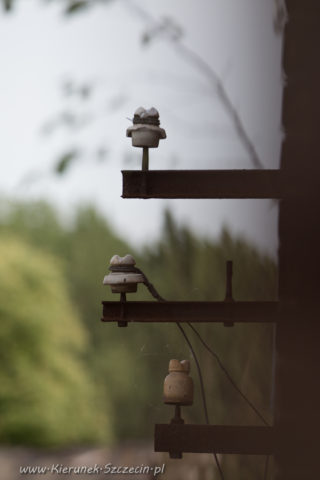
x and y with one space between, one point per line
123 282
145 131
178 385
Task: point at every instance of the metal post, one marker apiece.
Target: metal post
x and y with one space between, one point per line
297 401
145 158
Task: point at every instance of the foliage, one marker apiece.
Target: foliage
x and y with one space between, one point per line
168 30
65 161
7 4
75 6
70 7
85 248
45 384
127 366
186 267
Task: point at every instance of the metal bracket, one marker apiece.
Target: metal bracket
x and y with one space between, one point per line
194 312
177 438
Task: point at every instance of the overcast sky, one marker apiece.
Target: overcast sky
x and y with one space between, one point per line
41 51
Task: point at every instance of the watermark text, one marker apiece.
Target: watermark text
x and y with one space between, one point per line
107 469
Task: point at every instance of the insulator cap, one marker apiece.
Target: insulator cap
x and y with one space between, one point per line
178 385
145 131
126 279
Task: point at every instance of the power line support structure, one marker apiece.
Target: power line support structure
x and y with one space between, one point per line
294 439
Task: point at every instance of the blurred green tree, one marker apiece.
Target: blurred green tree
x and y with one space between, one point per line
84 248
127 366
47 396
184 266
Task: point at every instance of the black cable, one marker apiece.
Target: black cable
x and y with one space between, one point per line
158 297
151 288
133 269
228 375
199 373
202 392
155 294
265 476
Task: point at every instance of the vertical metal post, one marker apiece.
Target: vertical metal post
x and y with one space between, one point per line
145 158
123 299
177 420
229 297
229 271
297 395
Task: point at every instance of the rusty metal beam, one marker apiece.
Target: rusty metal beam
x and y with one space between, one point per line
202 184
177 438
197 312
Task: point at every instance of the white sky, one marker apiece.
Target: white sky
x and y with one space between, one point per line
40 49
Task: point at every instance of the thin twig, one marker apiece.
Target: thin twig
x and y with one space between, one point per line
194 58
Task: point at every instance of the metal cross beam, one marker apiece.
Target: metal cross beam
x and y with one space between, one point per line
179 438
195 312
203 184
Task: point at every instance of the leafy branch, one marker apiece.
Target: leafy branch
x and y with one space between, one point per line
173 33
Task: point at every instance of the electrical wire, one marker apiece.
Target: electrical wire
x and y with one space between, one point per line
266 465
225 371
147 283
199 373
158 297
151 288
202 392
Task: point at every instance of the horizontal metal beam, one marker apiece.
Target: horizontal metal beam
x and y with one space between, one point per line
201 184
195 312
177 438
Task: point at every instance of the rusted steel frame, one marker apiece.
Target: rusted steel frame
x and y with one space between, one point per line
244 440
197 312
202 184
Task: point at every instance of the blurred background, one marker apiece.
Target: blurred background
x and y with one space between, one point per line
74 390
